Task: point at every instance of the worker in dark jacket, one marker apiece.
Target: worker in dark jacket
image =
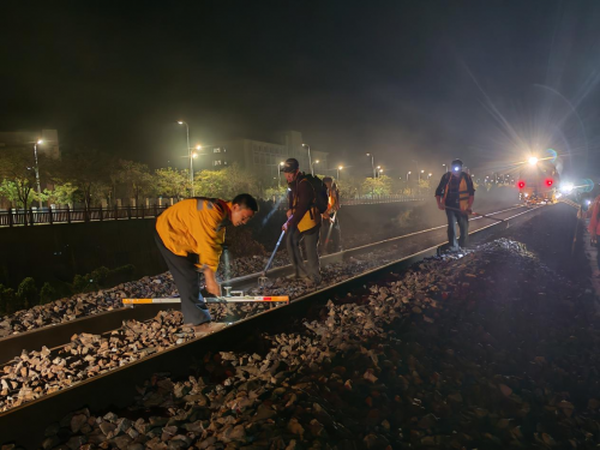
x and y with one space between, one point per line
304 221
455 194
190 236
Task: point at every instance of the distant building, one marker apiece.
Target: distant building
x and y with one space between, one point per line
262 158
27 139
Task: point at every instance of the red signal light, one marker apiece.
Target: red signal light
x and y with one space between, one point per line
549 182
521 184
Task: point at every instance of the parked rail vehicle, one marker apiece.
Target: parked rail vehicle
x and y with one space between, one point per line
538 183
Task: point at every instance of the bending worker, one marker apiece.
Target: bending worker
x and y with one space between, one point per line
456 194
190 235
304 221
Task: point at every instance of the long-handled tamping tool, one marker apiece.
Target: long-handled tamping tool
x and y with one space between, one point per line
262 280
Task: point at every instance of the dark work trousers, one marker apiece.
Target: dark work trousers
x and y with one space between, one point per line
334 243
187 280
309 269
455 217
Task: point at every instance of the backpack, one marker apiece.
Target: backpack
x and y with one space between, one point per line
321 200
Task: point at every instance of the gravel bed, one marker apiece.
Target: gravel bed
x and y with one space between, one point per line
37 373
492 350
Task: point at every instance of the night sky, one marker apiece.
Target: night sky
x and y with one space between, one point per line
420 80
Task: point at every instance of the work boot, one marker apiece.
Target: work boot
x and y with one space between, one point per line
208 327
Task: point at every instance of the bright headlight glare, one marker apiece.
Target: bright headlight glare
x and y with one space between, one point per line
566 188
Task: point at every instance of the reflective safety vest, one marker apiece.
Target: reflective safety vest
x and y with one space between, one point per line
333 203
463 191
312 217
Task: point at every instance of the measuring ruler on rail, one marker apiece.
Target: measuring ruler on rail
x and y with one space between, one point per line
232 299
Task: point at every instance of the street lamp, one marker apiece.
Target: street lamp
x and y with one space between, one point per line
445 167
312 171
339 169
421 172
312 168
429 175
408 175
37 172
279 167
380 171
189 149
372 164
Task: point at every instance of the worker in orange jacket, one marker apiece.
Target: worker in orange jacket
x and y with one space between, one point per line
331 222
190 236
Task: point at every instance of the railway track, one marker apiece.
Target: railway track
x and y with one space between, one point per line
25 424
53 336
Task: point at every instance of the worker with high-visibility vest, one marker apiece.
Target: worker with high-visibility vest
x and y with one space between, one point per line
331 234
304 222
455 194
190 236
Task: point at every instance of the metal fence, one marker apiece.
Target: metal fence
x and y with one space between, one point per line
47 216
381 199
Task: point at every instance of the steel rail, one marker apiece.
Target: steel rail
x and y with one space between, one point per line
116 389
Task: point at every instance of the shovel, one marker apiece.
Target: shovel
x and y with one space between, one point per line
262 280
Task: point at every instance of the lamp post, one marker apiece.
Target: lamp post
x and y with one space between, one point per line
189 149
312 168
445 167
339 169
429 175
408 176
279 166
37 171
372 164
312 171
421 172
379 171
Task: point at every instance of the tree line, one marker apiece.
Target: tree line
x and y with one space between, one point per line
93 178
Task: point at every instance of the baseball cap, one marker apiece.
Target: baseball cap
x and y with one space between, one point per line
290 165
